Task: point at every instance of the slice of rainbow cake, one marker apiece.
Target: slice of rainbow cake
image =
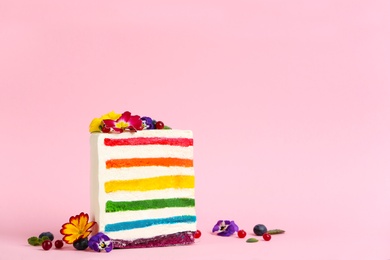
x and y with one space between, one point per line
142 187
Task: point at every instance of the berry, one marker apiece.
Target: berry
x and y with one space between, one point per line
260 229
159 125
58 244
46 245
266 237
241 233
197 234
47 234
81 244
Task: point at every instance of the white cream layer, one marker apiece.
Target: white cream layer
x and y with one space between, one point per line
144 172
114 217
149 195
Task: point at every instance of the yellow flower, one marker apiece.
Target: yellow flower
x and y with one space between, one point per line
94 126
78 227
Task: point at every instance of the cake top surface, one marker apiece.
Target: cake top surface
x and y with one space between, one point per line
113 122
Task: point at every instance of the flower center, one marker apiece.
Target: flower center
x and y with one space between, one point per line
121 124
102 245
223 227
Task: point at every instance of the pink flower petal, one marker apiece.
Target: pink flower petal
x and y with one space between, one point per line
125 117
117 130
132 129
136 122
109 123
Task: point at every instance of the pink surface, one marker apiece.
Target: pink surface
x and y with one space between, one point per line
288 101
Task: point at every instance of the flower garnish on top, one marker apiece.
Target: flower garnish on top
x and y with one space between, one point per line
77 227
225 228
118 123
100 242
147 123
125 122
96 123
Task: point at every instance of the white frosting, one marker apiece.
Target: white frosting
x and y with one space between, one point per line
147 151
100 153
145 172
151 213
139 195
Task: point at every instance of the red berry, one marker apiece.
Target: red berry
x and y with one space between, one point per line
58 244
266 237
197 234
46 245
241 233
159 125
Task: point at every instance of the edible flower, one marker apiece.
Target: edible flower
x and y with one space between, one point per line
77 227
125 121
225 228
95 125
147 123
100 242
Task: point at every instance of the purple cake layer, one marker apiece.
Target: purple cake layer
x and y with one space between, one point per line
180 238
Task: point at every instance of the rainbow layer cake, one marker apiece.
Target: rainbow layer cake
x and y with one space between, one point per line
142 182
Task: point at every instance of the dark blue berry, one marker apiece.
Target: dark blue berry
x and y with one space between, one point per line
81 244
260 229
47 234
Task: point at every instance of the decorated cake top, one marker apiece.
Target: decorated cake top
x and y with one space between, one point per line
118 123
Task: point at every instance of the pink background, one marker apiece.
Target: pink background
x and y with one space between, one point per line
289 102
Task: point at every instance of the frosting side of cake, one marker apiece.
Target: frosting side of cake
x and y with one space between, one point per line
142 186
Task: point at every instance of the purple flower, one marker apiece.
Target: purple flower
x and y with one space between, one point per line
225 228
100 242
147 123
